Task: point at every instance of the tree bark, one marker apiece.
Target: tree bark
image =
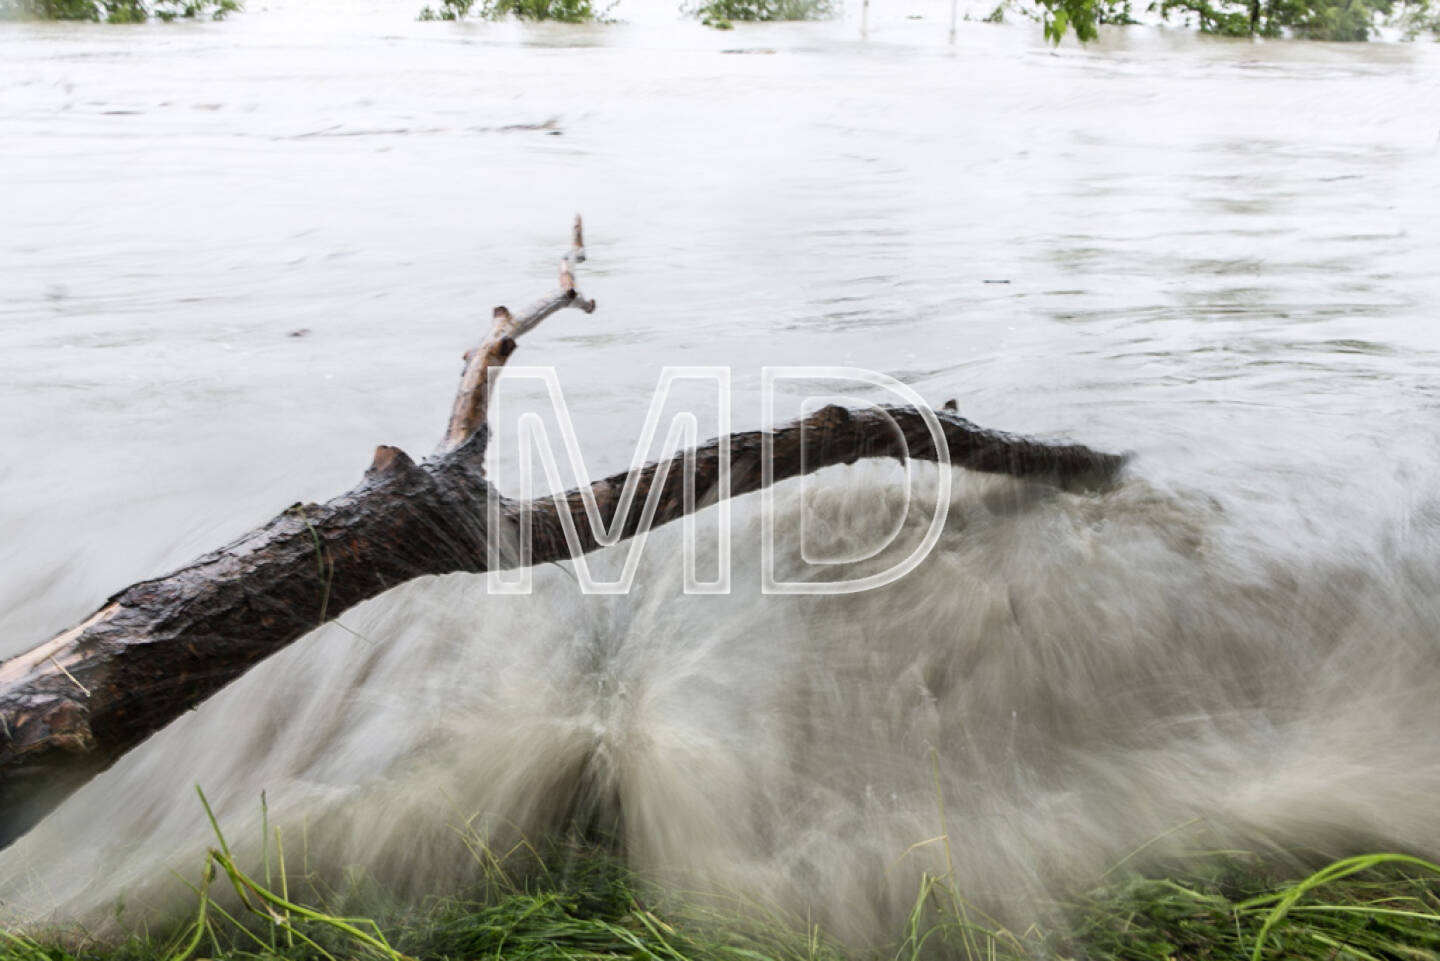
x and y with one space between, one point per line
75 704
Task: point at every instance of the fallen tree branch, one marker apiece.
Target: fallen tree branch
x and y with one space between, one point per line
72 706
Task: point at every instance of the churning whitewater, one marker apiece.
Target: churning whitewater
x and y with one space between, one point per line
1064 679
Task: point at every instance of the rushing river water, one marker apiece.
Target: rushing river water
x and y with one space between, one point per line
234 257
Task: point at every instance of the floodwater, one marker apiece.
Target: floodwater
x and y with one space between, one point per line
235 257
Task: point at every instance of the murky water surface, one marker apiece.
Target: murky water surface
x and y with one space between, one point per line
234 257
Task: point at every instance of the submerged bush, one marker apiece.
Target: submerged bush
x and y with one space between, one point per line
449 10
565 11
720 13
117 11
169 10
1345 20
49 9
1336 20
1417 17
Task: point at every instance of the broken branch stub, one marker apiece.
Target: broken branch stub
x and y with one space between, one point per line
483 363
75 704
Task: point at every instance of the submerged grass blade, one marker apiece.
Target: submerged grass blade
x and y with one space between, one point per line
1215 906
1284 901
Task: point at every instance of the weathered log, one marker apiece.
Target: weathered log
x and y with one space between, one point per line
72 706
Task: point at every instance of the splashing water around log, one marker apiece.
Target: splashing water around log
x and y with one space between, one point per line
1073 671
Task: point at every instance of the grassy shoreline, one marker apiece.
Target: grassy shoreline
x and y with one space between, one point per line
578 902
1219 906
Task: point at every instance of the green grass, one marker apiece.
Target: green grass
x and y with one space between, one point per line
582 905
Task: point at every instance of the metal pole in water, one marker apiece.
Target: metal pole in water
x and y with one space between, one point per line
865 18
953 4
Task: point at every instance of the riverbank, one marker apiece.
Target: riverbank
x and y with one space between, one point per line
1222 906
